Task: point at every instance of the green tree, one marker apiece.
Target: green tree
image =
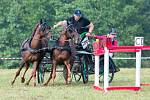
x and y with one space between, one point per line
18 18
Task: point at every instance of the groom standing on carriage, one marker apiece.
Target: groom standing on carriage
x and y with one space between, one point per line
79 23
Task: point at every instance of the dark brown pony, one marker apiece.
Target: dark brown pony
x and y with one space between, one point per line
31 50
61 55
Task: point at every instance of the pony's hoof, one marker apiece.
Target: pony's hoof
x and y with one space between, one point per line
52 82
12 83
34 84
45 84
66 82
69 82
22 80
27 84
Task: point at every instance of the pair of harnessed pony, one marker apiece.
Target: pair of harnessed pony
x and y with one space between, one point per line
34 49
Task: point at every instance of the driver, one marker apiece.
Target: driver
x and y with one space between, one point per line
80 23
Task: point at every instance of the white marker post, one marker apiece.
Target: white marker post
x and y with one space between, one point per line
96 83
96 71
106 69
138 42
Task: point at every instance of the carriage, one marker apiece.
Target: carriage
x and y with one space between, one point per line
34 49
84 63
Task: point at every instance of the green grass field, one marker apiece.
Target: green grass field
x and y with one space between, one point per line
74 91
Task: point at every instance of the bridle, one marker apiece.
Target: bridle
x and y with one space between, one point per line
43 28
73 33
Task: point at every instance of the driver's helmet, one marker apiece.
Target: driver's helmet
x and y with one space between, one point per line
77 12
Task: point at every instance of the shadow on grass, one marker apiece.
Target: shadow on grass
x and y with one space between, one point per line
73 84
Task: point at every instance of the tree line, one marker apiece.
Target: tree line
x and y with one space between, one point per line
18 18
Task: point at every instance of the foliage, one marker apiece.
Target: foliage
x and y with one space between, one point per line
18 18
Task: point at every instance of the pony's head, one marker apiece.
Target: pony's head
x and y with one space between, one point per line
41 29
44 28
72 33
64 37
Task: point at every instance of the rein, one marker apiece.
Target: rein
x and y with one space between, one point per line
42 38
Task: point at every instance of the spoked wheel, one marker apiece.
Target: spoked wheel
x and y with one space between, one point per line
77 76
84 69
41 73
111 70
65 73
76 72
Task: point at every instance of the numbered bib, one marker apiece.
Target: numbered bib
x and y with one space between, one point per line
85 42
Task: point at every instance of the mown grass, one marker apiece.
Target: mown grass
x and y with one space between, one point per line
74 91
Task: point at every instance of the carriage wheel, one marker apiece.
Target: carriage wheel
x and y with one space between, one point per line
41 73
76 72
84 69
111 70
65 73
77 76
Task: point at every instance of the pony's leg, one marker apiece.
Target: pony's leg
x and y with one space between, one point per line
29 80
33 74
34 71
68 72
22 78
18 72
54 73
51 74
50 77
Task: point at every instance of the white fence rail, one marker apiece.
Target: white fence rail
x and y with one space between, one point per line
130 58
13 58
126 58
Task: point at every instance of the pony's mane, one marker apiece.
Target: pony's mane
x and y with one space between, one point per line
33 33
